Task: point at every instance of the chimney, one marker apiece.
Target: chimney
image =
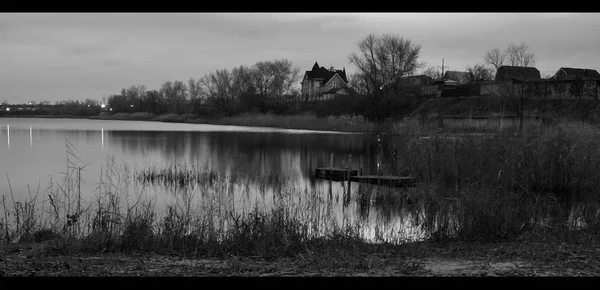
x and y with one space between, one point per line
331 69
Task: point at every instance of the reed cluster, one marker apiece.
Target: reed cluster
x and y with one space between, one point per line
504 184
211 214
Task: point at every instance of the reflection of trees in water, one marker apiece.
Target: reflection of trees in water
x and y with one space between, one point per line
259 153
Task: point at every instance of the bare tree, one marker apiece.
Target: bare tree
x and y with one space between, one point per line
194 92
262 79
133 95
242 80
382 62
479 73
495 58
358 82
287 76
431 72
153 99
174 93
517 55
218 88
274 79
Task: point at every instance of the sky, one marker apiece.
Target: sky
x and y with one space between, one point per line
78 56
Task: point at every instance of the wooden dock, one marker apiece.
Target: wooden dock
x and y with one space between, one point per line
345 174
335 173
348 174
387 180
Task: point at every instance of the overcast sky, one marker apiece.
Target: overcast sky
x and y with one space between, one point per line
54 56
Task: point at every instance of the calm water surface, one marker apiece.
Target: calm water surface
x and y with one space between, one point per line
33 152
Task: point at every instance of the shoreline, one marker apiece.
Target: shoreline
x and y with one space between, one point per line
420 259
291 122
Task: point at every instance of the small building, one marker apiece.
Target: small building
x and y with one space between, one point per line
409 85
320 83
416 81
517 73
570 74
567 83
460 77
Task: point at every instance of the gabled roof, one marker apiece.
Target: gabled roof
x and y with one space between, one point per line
568 73
458 76
521 73
425 77
416 80
324 74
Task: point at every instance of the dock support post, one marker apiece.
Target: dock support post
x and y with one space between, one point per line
360 165
330 174
349 173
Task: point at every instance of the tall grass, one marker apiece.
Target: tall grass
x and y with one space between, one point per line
499 186
207 216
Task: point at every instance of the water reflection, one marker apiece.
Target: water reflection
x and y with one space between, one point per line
264 153
274 163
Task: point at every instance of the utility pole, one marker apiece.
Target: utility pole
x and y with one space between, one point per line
442 67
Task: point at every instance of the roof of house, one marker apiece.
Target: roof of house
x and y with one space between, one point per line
461 77
521 73
424 77
416 80
572 73
325 74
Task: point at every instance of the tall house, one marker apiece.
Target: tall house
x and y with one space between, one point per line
321 83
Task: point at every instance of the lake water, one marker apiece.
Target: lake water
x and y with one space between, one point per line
35 152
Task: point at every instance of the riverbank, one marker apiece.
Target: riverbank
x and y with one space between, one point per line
422 259
300 122
426 115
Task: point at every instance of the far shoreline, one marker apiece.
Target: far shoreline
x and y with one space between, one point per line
342 124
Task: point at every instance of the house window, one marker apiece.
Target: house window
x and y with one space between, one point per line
336 85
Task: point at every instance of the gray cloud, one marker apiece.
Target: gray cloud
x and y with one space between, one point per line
93 55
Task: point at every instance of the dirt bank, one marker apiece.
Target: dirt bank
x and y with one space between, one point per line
425 259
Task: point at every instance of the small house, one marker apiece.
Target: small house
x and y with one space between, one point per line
460 77
569 74
517 73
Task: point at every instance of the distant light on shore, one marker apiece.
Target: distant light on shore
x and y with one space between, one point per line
102 106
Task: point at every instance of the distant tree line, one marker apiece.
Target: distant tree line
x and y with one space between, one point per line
267 86
382 62
88 107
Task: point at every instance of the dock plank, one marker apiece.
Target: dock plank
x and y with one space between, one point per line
387 180
335 173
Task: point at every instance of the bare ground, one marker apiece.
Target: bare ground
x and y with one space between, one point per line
425 259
